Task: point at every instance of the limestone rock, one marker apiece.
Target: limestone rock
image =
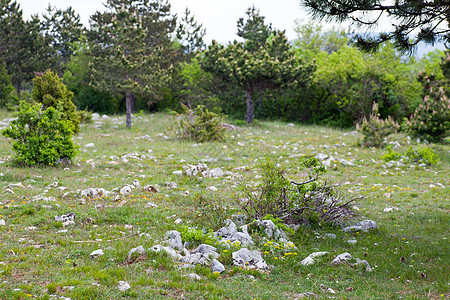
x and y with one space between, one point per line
193 276
217 266
123 286
309 260
249 259
96 253
139 250
341 258
174 239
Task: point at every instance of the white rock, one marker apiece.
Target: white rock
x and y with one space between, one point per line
352 241
150 205
341 258
250 259
177 173
136 183
321 156
123 286
217 266
140 250
174 239
96 253
89 145
178 221
309 260
390 209
211 188
193 276
125 190
2 222
171 184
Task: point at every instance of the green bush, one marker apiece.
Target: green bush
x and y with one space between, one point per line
431 120
391 154
200 125
375 130
49 90
423 154
309 202
40 136
7 97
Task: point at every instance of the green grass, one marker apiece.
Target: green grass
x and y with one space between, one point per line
409 252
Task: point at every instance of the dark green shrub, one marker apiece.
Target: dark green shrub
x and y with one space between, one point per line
40 136
49 90
423 154
391 154
200 125
375 130
7 97
431 120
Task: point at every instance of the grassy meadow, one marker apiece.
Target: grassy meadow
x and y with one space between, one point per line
39 258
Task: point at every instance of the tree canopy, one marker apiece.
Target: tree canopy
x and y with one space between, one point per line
413 21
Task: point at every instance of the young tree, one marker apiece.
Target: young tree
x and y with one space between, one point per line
22 45
413 21
130 48
62 28
256 65
190 34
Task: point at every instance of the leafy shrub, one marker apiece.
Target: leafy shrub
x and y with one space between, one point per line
391 154
200 125
375 130
423 154
40 136
311 201
85 116
198 236
431 120
49 90
212 211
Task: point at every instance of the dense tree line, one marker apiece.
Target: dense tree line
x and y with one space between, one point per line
138 55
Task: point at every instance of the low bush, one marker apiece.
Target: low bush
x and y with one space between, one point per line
40 136
375 130
200 125
421 154
310 202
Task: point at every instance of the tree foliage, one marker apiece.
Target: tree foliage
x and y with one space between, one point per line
413 21
131 49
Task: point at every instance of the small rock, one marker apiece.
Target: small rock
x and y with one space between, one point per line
217 266
330 235
193 276
178 221
364 262
309 260
2 222
250 259
171 185
90 145
123 286
341 258
96 253
65 218
211 188
321 156
174 239
390 209
304 295
151 189
140 250
352 241
150 205
125 190
331 291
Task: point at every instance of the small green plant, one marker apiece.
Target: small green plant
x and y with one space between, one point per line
375 130
391 154
311 201
200 125
198 236
423 154
49 90
40 136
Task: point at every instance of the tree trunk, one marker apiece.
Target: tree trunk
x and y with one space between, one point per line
18 87
250 115
128 99
133 104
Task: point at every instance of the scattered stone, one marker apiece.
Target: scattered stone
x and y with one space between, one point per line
365 226
178 221
214 173
151 189
178 173
341 258
96 253
211 188
9 191
243 237
2 222
249 259
123 286
352 242
217 266
390 209
126 190
31 228
139 250
150 205
136 183
364 262
321 156
309 260
172 185
227 231
330 235
193 276
169 250
304 295
65 218
173 237
90 145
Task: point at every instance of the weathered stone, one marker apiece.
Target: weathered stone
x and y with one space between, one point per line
330 235
364 262
193 276
243 237
151 189
123 286
139 250
126 190
217 266
150 205
249 259
214 173
321 156
171 185
65 218
96 253
174 239
365 225
2 222
227 231
309 260
341 258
